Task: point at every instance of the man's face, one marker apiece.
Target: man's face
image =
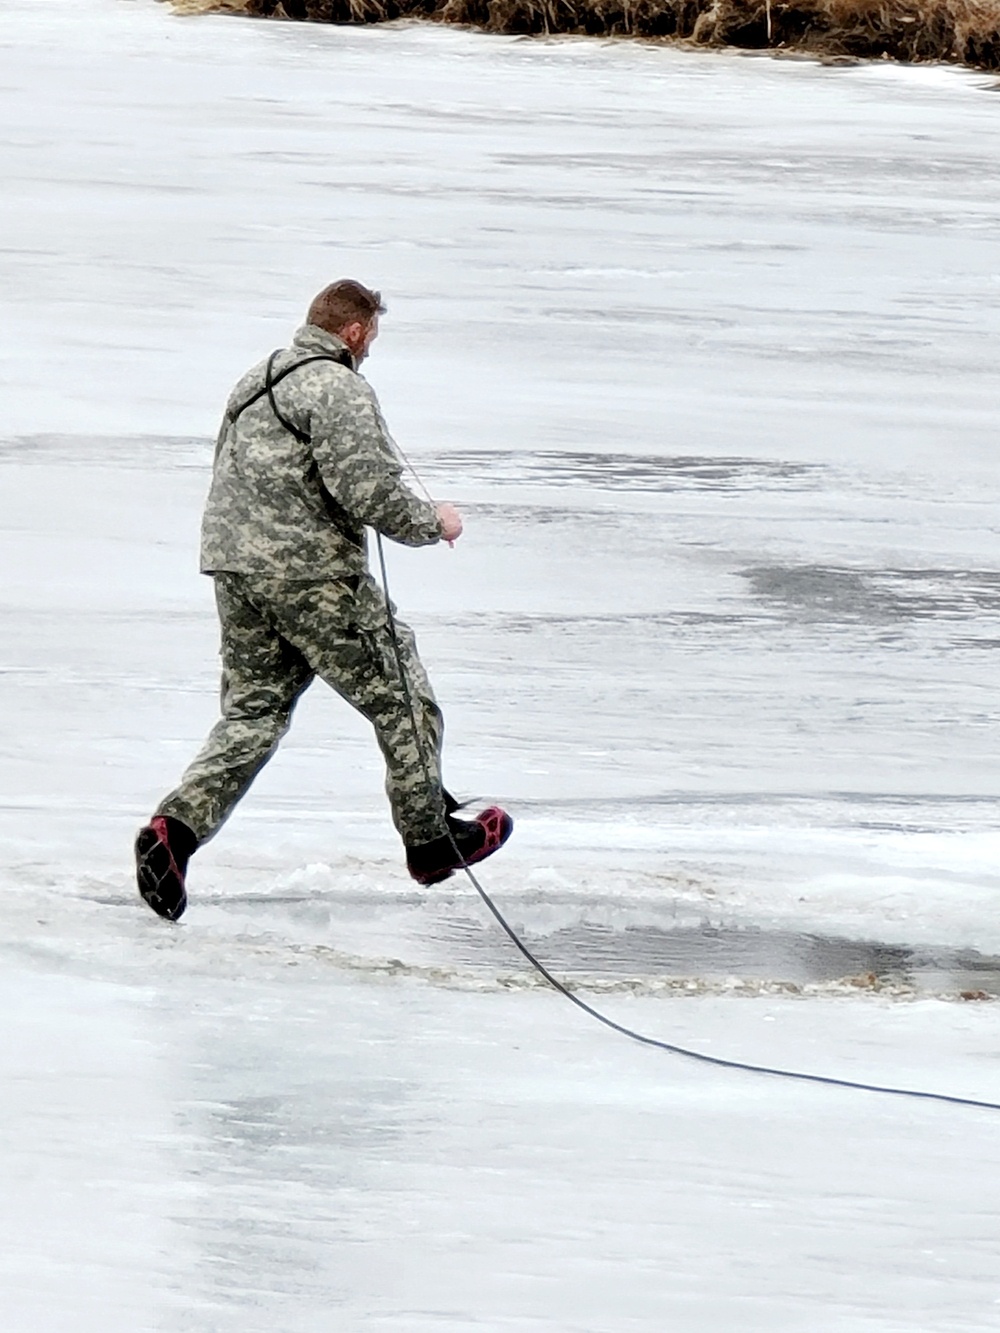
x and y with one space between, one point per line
359 337
371 333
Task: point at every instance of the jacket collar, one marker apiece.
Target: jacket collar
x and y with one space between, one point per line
311 338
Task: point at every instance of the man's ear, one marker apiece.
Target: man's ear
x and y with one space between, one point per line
353 334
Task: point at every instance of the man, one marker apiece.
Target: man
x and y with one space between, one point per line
303 464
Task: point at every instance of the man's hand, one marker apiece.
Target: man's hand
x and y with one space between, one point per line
451 522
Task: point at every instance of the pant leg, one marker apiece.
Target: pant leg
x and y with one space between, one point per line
413 764
262 677
341 631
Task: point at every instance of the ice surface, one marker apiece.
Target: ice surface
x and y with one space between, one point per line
705 347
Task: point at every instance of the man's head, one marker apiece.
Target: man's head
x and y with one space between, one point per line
350 311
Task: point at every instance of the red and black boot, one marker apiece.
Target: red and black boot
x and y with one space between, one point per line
468 842
162 851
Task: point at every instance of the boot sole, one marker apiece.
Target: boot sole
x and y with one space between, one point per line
156 875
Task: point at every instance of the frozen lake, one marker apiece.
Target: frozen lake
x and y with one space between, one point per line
705 347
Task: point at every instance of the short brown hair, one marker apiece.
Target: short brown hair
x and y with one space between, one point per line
342 303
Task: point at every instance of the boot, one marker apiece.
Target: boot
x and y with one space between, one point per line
468 842
162 851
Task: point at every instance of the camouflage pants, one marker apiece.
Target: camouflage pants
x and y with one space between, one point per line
277 635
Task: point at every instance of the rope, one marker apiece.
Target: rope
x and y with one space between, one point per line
718 1062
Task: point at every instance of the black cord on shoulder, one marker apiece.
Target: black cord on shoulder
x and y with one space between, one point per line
671 1049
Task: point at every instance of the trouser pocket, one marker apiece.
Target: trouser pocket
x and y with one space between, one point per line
377 648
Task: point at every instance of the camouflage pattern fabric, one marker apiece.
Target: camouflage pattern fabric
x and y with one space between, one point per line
277 635
277 502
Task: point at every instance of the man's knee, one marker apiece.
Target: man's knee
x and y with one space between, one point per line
261 709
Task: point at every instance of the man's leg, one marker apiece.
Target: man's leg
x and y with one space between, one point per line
412 756
341 631
262 677
410 729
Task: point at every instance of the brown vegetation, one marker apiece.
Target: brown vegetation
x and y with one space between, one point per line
966 31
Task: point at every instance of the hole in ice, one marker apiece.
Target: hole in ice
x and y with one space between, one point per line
448 936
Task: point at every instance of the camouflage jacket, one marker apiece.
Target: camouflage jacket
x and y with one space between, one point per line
293 499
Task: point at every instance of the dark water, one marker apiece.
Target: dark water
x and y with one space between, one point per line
710 954
446 939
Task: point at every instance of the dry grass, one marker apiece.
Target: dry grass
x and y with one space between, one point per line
965 31
209 6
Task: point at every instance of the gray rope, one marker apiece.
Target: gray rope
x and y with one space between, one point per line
670 1048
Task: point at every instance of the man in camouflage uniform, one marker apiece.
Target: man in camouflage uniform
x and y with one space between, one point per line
303 464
